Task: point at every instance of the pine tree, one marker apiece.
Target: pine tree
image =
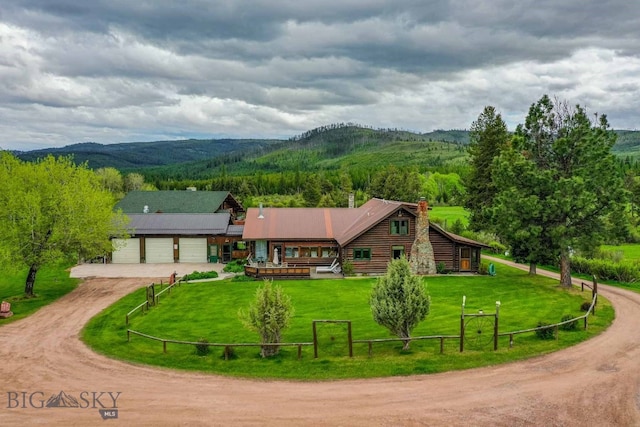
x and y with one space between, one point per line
399 300
489 137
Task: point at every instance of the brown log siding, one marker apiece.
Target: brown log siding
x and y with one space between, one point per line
380 240
444 250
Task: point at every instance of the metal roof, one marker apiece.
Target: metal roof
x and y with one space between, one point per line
172 201
340 224
184 224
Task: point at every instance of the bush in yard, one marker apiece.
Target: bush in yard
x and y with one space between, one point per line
441 268
585 306
571 326
202 349
347 268
483 269
399 300
546 331
235 266
268 315
196 275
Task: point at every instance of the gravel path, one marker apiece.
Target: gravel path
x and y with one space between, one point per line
595 383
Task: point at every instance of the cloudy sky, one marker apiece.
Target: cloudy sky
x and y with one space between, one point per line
144 70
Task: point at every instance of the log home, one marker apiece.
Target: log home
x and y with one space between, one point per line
368 237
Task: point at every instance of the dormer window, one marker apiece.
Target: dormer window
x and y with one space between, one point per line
399 227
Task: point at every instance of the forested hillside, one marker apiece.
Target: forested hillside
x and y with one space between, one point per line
138 155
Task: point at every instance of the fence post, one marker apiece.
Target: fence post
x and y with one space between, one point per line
556 331
350 339
164 346
510 340
315 341
299 351
226 352
441 345
586 322
461 333
128 335
370 348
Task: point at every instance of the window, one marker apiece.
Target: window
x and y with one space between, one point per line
239 246
329 252
362 254
397 252
400 226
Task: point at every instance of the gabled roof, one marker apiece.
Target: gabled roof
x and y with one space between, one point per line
374 211
184 224
172 201
340 224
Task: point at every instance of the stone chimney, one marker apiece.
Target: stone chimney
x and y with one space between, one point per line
422 259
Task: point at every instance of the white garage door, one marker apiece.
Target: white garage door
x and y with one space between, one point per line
126 251
159 250
193 250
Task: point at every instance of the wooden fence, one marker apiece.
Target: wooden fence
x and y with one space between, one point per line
229 346
146 305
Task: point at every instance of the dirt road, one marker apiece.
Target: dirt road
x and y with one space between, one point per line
593 384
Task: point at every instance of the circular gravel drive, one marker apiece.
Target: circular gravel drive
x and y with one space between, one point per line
595 383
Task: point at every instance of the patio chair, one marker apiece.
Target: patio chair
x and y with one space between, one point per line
329 268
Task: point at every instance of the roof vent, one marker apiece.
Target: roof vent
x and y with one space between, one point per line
260 213
145 209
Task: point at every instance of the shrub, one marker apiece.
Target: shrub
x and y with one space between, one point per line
546 331
347 268
441 268
202 349
235 266
497 247
625 272
585 306
196 275
231 353
571 326
269 314
483 269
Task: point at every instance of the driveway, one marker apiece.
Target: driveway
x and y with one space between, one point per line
83 271
595 383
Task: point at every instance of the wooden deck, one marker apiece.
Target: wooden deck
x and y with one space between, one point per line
278 272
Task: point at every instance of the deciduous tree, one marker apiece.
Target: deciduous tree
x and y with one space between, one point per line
53 210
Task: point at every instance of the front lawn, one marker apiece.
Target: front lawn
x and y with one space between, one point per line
209 310
52 282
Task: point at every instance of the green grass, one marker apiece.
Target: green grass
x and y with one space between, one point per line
630 251
450 214
52 282
209 310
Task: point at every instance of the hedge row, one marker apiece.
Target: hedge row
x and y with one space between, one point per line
625 272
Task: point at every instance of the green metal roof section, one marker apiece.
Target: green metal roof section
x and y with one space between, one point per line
172 201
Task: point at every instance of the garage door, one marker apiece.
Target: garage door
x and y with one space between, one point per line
127 251
159 250
193 250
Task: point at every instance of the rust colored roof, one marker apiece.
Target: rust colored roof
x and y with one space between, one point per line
340 224
297 223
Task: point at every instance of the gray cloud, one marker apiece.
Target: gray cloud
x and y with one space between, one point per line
113 71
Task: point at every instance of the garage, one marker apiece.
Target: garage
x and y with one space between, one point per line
193 249
159 250
126 251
